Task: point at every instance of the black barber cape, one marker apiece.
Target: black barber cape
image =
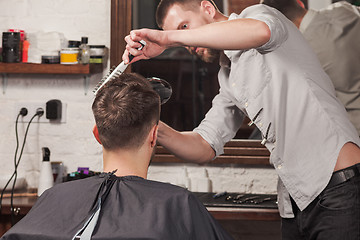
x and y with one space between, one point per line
111 207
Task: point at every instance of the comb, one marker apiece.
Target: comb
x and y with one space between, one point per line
115 72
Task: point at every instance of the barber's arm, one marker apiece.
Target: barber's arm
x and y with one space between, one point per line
235 34
207 140
188 146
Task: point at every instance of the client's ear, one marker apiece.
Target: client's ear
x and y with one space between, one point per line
153 135
96 133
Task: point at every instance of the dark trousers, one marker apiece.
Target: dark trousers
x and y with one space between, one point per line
333 215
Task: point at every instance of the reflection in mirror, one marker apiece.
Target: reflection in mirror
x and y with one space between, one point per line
143 14
194 82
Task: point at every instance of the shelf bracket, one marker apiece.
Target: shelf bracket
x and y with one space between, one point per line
86 84
4 82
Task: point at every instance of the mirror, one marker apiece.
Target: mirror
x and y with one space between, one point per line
194 82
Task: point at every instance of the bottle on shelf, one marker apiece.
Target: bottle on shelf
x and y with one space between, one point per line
203 181
84 52
184 180
25 50
11 47
46 179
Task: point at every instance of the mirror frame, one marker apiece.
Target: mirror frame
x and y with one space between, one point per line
120 26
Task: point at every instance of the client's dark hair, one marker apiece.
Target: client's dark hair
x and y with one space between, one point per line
164 5
125 110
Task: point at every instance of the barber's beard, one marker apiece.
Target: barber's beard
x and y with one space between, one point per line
208 55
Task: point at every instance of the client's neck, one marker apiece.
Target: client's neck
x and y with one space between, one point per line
127 162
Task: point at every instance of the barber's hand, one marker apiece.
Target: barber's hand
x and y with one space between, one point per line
155 44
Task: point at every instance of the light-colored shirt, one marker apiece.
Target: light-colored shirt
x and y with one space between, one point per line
282 87
334 34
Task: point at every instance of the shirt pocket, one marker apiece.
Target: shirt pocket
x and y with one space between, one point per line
261 115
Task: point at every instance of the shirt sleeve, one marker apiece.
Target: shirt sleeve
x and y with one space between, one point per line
221 123
346 5
273 18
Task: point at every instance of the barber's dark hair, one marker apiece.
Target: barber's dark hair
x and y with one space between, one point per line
164 5
290 8
125 110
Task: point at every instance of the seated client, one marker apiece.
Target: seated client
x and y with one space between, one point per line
120 203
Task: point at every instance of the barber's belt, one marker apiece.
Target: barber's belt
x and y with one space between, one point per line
344 175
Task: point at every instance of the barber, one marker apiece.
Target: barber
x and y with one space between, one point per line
269 73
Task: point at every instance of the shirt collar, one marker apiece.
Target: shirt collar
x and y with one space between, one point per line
224 61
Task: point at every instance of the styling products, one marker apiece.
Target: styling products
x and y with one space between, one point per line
50 59
73 44
69 55
84 53
97 53
11 52
184 180
46 179
202 183
25 49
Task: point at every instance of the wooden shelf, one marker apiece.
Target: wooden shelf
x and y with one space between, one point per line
34 68
246 152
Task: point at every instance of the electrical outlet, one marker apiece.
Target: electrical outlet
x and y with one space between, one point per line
32 107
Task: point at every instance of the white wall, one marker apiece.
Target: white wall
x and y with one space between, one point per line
72 142
73 18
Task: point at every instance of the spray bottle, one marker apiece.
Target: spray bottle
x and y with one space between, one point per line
46 179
